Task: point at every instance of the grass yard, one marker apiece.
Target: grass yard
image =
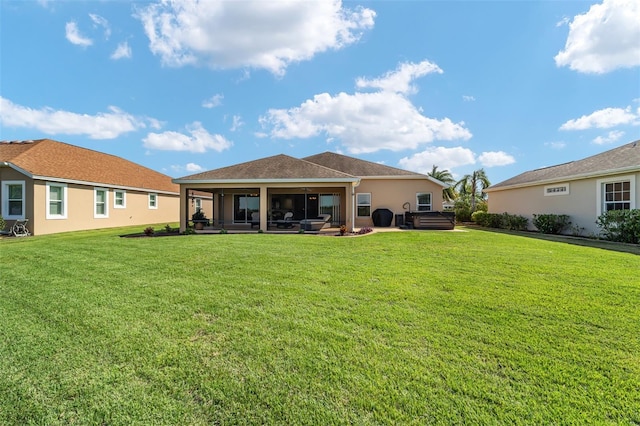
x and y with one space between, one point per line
391 328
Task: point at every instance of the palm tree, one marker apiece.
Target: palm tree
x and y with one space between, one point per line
444 176
473 185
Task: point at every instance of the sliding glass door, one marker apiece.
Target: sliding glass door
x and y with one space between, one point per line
243 206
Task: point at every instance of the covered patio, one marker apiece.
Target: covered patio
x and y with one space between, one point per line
275 194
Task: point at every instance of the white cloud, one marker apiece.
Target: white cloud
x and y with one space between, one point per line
444 158
198 140
611 137
564 21
365 122
104 125
467 98
399 81
193 167
237 123
555 145
256 34
603 39
214 101
74 36
122 51
495 158
604 119
102 22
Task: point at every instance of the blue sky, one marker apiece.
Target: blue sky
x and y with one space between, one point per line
183 87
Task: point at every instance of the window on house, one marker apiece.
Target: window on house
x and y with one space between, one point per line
198 203
13 199
56 201
119 199
559 189
423 201
153 201
100 200
617 196
363 204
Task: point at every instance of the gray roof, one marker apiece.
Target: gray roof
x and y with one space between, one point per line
357 167
625 158
277 167
327 166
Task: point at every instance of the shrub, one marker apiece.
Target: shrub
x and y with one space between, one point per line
514 222
502 221
149 231
2 223
551 223
620 225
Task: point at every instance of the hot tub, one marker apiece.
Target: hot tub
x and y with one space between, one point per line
430 219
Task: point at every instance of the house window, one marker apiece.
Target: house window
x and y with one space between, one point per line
616 194
56 201
423 201
558 189
100 202
363 204
153 201
198 202
119 199
13 199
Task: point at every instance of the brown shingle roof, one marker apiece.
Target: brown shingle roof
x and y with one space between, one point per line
58 160
276 167
617 160
355 166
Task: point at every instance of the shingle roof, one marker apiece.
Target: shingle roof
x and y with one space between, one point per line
617 160
355 166
58 160
277 167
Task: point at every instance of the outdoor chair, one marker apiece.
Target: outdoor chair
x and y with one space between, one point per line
286 222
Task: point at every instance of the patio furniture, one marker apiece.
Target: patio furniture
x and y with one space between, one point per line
286 222
255 219
315 224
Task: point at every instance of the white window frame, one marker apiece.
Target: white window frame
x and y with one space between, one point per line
63 215
363 204
198 203
115 199
600 191
154 196
97 215
429 205
556 189
5 199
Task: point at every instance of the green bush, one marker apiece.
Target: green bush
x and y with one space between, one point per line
502 221
551 223
620 225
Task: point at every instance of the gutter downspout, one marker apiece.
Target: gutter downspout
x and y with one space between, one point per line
353 204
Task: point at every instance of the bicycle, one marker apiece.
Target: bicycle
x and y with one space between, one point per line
19 229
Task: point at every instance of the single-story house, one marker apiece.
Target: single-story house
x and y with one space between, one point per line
582 189
350 190
59 187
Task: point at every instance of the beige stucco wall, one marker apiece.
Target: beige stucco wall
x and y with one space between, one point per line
580 204
393 194
80 210
80 207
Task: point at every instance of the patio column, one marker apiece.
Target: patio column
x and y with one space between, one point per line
264 208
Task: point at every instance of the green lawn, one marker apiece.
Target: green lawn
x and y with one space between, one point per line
412 327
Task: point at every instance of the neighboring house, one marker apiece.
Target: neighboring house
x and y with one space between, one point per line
582 189
60 187
348 189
